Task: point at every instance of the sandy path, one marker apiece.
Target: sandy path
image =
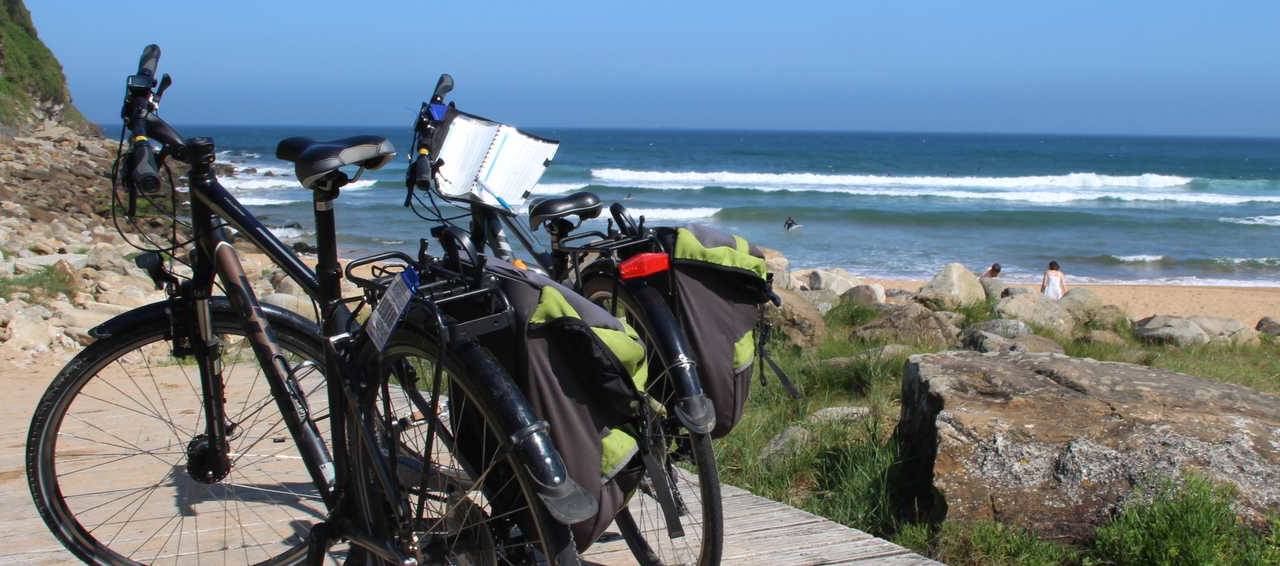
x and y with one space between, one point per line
1246 304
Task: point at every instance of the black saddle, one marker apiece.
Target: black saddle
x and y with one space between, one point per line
314 160
584 204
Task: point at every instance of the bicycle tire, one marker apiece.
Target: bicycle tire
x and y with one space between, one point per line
600 289
512 494
83 380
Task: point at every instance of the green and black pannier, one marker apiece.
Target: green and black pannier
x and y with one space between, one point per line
582 371
721 287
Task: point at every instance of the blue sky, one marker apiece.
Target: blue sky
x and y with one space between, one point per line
1134 67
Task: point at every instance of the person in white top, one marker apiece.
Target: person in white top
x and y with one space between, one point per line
1054 284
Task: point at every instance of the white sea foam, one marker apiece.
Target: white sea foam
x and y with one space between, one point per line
692 213
728 178
1042 189
258 183
1253 220
556 188
1139 258
285 233
260 201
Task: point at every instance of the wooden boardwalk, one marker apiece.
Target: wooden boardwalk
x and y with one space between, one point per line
765 532
757 530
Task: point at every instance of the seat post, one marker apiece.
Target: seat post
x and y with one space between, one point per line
327 269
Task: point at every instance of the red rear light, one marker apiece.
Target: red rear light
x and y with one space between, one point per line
644 265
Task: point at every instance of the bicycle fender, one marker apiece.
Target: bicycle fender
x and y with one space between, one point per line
163 310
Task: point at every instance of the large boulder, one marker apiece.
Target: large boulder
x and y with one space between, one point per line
778 265
993 287
1037 310
1268 325
1005 327
798 319
910 323
1193 330
1054 444
837 280
822 299
1081 303
952 287
867 295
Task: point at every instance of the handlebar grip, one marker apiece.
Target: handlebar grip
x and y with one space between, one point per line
150 58
420 172
142 168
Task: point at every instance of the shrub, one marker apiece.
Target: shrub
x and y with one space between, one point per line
850 315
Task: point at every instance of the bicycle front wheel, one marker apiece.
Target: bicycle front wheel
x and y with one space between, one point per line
690 462
108 451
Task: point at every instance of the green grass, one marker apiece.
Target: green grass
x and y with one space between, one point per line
990 543
844 471
1187 522
978 312
42 285
30 71
1256 367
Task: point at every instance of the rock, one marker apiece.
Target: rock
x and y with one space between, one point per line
837 280
1108 316
1104 337
37 262
304 248
909 323
1081 303
64 270
1161 329
952 287
778 265
1269 326
1195 330
1004 327
105 257
1226 330
898 294
1015 291
980 341
953 318
838 414
785 444
822 299
296 303
868 295
1035 344
993 287
1053 444
890 350
1037 310
799 320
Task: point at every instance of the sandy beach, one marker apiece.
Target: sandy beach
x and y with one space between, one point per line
1246 304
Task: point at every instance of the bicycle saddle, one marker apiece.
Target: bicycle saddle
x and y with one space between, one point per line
585 205
313 160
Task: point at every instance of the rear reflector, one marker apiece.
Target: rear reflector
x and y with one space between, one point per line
644 265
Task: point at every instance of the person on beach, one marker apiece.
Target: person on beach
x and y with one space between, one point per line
991 272
789 224
1054 283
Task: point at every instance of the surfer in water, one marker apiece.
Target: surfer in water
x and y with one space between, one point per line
790 224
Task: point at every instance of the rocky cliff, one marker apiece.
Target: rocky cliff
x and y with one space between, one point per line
33 90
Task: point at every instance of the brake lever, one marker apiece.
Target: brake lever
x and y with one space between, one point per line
165 82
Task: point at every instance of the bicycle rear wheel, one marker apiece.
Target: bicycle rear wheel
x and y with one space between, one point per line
690 463
479 506
107 451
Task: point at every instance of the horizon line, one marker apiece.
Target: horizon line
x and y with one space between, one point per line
1250 137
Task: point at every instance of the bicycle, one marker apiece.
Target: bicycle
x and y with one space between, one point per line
629 278
216 427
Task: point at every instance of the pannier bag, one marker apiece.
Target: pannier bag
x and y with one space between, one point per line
721 285
583 371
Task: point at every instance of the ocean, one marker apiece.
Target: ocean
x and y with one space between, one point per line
1195 211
